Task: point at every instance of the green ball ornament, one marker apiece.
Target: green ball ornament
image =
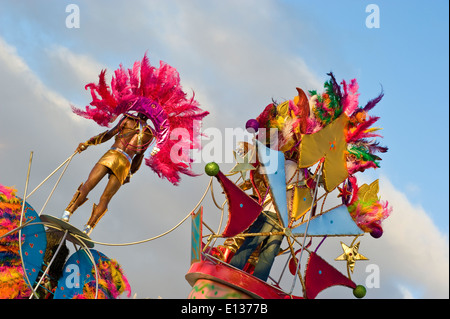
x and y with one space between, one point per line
212 169
359 291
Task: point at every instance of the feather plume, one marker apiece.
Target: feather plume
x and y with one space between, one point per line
161 85
361 132
371 104
368 214
112 281
350 97
323 109
335 87
12 283
7 192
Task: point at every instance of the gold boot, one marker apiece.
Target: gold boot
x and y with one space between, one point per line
93 220
67 214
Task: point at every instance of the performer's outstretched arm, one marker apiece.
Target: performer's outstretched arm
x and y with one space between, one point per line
98 139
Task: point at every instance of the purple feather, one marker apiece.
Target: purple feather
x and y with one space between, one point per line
336 87
371 104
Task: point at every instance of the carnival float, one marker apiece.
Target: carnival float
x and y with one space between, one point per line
303 152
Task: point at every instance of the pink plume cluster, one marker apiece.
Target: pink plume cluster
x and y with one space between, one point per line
161 85
112 283
351 96
8 192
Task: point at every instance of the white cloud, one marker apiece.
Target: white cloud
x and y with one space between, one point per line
412 255
14 64
406 293
218 43
81 66
33 118
412 248
9 53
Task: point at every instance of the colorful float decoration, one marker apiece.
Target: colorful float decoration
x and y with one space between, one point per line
34 257
305 153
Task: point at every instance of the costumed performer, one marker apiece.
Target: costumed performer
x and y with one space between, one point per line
138 94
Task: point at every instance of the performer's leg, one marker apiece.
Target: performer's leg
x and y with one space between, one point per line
270 248
80 196
267 256
99 210
265 223
249 245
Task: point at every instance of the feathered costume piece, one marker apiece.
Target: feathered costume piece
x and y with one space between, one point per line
366 208
331 104
301 116
12 282
112 281
156 93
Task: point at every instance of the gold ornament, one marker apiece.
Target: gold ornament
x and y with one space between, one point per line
369 192
351 255
330 144
243 163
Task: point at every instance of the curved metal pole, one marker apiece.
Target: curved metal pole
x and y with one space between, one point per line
50 263
91 258
51 174
28 223
27 280
307 225
155 237
56 184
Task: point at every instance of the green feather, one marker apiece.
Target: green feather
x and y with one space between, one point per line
361 152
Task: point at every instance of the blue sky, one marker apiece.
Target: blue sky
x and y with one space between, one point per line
237 56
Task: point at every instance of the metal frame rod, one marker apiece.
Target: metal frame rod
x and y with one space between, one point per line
50 263
27 280
307 225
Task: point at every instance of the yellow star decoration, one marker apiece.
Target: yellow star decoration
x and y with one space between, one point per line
351 255
328 143
243 164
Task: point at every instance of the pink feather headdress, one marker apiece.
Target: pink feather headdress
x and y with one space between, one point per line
157 93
